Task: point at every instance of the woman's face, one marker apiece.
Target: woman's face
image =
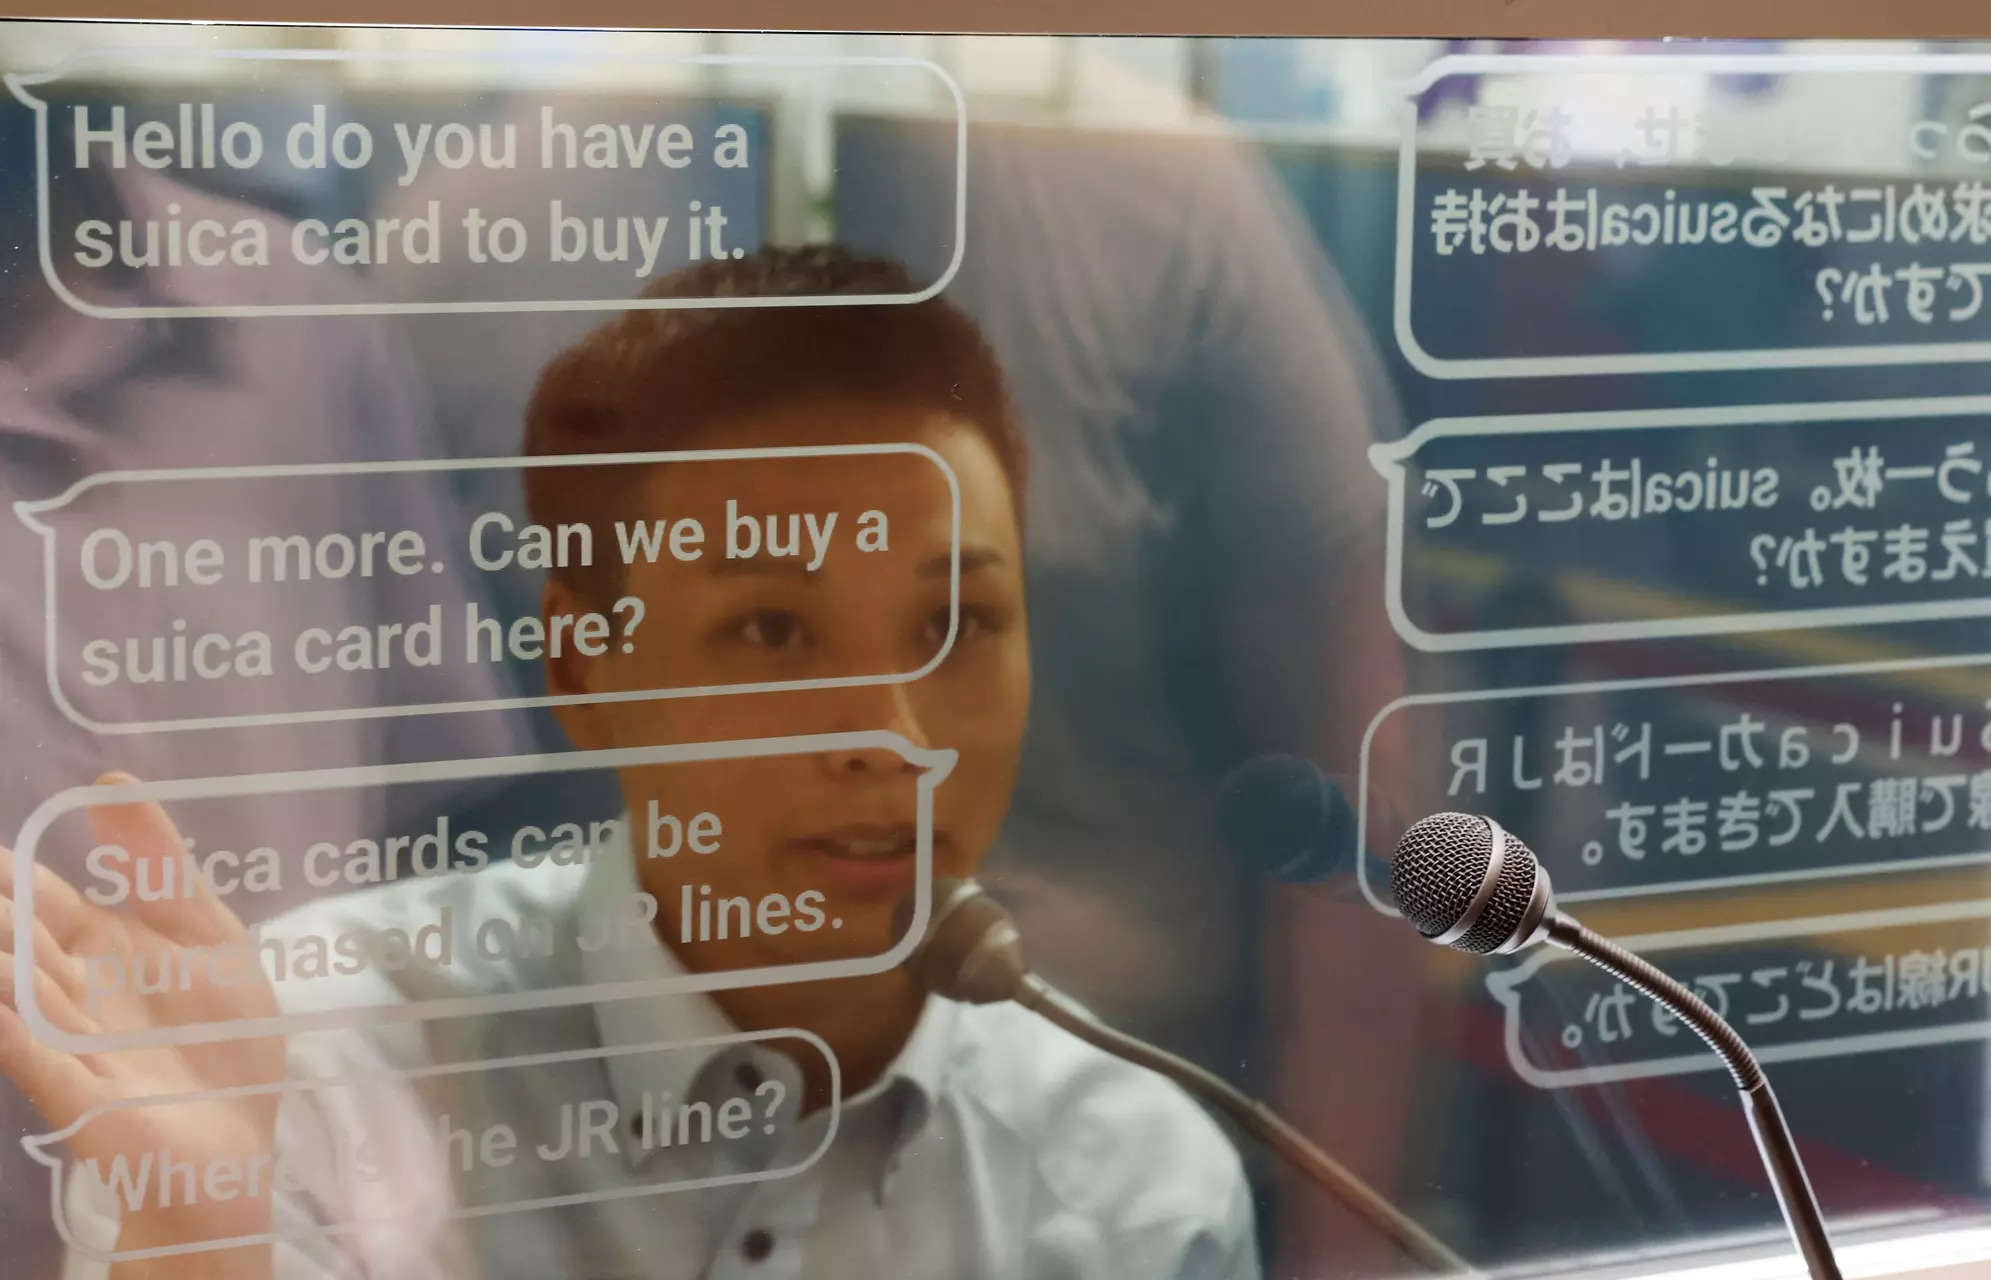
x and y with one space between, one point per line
828 836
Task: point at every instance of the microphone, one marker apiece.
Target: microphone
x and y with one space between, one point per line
1286 817
1464 882
973 953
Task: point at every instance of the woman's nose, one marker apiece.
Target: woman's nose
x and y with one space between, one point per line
882 706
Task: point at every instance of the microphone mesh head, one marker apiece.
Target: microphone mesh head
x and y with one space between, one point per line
1512 890
1437 869
1439 866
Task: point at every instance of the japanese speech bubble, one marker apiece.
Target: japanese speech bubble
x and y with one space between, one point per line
1632 788
573 177
396 1131
196 598
551 917
1656 222
1650 524
1819 987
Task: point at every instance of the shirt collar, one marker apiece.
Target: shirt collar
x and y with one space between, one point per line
906 1092
910 1088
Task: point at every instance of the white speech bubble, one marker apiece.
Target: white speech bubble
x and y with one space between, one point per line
1630 67
934 766
153 62
1390 461
32 513
1945 663
44 1148
1506 986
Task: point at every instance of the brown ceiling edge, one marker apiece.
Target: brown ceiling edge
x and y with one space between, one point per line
1603 19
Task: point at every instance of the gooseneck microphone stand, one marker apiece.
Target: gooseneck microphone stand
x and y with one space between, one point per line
1463 881
971 952
1766 1118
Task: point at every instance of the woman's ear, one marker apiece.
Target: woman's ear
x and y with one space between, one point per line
569 673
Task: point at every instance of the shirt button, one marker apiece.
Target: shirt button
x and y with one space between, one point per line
757 1244
748 1076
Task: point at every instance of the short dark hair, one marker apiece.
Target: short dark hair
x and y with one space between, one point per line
651 377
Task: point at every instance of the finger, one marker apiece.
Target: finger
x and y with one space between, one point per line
58 1084
57 904
51 1001
143 830
49 955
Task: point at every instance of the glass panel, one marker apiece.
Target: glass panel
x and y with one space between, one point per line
541 560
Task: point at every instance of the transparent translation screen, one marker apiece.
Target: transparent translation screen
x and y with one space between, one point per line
640 654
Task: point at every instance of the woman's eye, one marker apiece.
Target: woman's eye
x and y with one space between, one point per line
973 624
776 629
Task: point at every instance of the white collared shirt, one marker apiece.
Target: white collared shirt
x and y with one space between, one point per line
995 1145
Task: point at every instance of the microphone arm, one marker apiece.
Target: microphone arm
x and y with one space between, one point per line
1766 1118
1258 1119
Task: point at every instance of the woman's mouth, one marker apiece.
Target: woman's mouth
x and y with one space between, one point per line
863 860
867 844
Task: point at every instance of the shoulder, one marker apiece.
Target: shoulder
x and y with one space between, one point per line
1078 1110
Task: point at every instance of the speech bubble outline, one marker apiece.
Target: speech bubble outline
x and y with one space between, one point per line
1941 663
1505 987
1667 362
20 83
934 765
38 1146
28 511
1389 461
